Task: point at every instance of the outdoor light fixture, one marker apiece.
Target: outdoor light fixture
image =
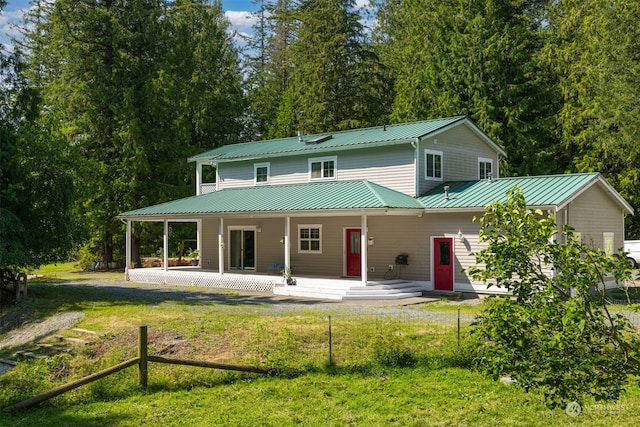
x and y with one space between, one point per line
461 238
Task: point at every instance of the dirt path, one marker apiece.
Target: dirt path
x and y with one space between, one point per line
37 330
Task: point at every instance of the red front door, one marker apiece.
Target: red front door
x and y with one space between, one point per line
354 261
443 264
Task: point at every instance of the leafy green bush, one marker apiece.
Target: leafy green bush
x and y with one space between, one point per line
554 332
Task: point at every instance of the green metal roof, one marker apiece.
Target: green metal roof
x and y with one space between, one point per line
334 195
336 141
539 191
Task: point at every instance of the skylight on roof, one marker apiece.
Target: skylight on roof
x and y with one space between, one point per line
319 139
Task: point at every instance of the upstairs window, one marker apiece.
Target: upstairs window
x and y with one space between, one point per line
485 168
261 172
322 168
433 165
310 238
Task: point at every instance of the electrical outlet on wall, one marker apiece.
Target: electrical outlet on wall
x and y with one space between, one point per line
390 267
372 269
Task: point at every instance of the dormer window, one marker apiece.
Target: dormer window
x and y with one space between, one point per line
433 165
261 173
323 168
485 168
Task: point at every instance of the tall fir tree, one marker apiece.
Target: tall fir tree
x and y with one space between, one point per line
336 80
592 46
476 58
37 225
268 65
136 96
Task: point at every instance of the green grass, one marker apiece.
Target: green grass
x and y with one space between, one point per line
372 381
69 271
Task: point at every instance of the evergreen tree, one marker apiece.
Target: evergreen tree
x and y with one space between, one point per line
592 47
36 180
336 80
476 58
268 66
139 86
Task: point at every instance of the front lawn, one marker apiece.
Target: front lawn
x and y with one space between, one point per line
392 366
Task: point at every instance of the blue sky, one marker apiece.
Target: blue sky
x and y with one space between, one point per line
237 11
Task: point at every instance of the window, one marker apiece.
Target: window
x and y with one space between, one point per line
322 168
433 165
607 238
485 168
310 238
261 173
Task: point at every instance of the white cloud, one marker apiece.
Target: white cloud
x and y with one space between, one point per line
241 21
10 20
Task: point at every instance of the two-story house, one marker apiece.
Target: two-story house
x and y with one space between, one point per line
381 212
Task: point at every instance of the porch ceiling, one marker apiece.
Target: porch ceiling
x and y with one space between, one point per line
334 196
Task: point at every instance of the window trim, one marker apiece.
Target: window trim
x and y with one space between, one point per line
300 240
485 160
322 160
256 166
426 168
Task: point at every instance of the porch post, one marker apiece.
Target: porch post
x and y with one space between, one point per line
198 239
198 178
165 245
363 249
127 251
287 242
221 246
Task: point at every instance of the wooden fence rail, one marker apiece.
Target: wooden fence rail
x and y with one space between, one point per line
142 362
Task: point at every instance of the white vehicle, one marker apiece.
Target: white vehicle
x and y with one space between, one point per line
632 248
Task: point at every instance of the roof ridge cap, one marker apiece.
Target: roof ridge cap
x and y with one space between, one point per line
370 185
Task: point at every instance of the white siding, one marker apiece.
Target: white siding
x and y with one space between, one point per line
209 244
448 225
593 213
460 149
391 167
394 235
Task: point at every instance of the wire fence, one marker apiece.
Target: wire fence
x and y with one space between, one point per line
358 338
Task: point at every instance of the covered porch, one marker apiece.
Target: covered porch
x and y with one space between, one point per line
318 233
332 288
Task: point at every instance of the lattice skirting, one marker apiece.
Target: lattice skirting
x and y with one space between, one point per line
212 280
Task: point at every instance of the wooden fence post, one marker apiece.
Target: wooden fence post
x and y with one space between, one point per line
143 355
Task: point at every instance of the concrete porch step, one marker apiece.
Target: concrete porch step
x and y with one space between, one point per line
374 291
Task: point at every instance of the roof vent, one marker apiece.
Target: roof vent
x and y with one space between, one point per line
300 136
446 193
319 139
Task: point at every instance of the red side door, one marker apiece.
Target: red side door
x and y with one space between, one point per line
443 264
354 261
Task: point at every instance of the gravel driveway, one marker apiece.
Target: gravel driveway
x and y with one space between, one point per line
22 330
262 302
